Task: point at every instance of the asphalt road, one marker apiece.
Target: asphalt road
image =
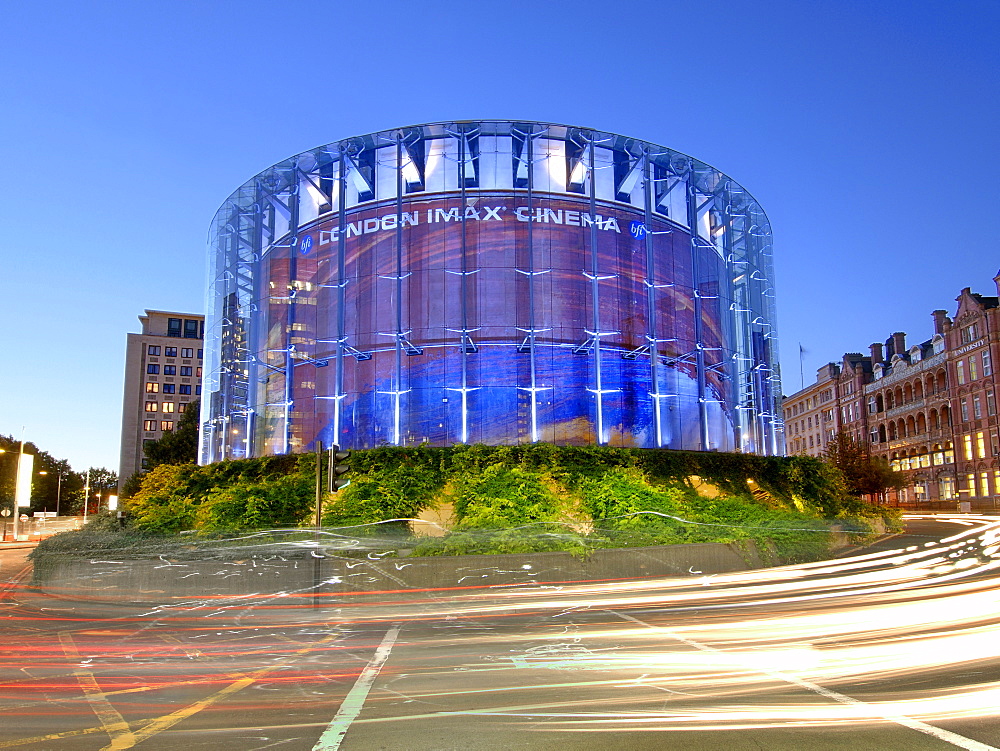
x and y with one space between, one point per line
895 647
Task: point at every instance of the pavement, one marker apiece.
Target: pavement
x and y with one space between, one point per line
896 649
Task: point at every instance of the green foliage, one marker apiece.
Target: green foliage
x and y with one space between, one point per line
179 446
512 499
275 491
863 474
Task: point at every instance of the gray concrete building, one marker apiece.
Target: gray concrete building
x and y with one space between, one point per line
162 376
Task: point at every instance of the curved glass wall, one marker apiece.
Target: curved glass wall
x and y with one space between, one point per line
493 282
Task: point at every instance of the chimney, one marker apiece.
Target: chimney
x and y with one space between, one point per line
941 318
899 343
876 349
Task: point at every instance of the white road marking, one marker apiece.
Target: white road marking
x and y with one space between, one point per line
945 735
333 736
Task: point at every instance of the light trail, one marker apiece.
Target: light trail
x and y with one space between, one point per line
909 637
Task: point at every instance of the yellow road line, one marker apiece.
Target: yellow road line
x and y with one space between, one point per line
111 720
146 728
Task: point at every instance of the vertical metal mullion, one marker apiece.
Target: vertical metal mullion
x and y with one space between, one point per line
692 210
594 300
464 291
529 150
253 327
396 419
651 332
293 271
338 384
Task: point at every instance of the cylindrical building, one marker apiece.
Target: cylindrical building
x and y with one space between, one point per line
490 282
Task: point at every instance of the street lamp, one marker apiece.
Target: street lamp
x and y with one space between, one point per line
22 488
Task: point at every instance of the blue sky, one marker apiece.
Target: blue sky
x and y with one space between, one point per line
868 131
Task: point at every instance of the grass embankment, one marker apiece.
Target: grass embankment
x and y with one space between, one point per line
505 500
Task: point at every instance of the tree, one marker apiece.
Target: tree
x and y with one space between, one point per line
865 474
103 482
179 446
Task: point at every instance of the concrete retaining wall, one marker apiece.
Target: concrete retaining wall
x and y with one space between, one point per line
163 579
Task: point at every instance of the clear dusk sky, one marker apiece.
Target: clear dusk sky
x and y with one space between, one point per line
867 130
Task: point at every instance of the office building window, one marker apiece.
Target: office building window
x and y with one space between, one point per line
166 424
185 389
170 351
198 372
152 369
187 352
152 388
173 327
185 370
190 329
168 388
149 425
153 350
169 370
152 406
168 406
182 407
200 355
197 389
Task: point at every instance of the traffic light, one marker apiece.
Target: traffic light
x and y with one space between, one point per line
337 467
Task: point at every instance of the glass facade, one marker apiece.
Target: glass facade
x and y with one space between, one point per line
492 282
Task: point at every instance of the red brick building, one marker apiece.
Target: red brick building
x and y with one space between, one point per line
928 408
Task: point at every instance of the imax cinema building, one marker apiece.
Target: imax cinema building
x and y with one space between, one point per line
490 282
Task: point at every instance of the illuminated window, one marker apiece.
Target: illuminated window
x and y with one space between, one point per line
152 388
152 406
949 453
182 407
152 369
972 369
187 352
185 370
166 425
149 425
960 370
169 370
970 484
967 440
946 487
981 444
198 372
153 350
168 406
170 352
168 388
